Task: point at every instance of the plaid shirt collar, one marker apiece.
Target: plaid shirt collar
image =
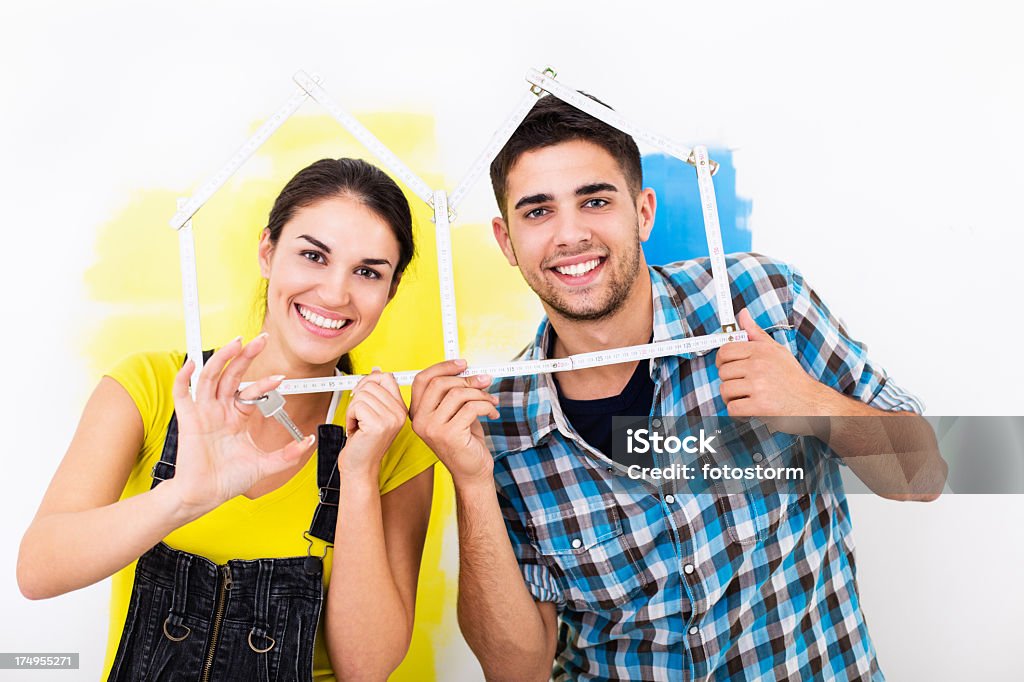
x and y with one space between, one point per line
543 412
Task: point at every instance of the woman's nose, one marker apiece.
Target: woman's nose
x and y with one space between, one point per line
334 290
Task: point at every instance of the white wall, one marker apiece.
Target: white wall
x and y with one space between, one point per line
880 144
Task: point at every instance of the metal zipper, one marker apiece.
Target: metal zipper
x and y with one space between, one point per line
218 616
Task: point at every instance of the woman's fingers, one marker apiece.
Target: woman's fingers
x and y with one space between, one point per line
254 391
388 382
209 377
363 408
392 399
232 375
183 404
282 458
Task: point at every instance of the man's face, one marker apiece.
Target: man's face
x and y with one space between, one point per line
574 229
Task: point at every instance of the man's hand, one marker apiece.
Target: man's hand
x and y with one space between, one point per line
761 378
446 411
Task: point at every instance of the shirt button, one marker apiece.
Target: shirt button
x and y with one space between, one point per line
688 569
758 456
694 630
670 499
577 543
656 423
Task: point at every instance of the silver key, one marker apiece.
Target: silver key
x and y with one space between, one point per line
273 406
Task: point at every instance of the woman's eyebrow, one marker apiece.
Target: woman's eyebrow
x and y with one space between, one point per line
376 261
315 242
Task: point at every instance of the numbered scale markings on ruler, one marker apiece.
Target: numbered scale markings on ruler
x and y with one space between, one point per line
498 141
446 276
603 113
210 187
443 206
369 140
697 344
713 232
190 297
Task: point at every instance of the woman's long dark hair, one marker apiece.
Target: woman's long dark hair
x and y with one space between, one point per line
367 184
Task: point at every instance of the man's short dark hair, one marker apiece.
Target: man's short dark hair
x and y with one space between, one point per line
552 121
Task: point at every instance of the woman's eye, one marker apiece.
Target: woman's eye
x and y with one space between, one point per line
313 256
595 203
368 273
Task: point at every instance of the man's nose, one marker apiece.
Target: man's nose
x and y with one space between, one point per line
571 228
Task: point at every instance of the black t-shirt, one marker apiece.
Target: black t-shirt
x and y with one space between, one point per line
592 419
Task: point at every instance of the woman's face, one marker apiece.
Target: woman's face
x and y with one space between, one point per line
329 277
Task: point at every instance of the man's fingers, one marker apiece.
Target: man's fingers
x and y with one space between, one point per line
439 387
424 378
456 398
735 389
730 352
754 332
733 370
470 413
232 375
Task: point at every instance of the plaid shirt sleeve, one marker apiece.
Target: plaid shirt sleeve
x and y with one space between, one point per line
826 350
539 580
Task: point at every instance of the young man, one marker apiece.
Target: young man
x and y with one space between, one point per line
576 569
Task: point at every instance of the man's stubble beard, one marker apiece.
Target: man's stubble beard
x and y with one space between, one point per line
620 284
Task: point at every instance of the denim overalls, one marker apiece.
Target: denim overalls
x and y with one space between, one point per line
190 619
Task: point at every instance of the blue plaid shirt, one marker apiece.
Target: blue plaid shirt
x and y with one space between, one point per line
654 583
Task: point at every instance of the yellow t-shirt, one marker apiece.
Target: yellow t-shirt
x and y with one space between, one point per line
270 526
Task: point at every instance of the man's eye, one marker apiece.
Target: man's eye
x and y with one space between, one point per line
313 256
536 213
595 203
368 273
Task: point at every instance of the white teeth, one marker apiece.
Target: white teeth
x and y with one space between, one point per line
578 269
321 321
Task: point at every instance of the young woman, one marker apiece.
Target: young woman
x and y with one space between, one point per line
232 518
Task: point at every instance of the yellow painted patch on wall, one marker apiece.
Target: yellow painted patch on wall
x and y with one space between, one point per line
135 283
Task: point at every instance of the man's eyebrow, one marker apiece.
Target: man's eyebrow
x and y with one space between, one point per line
532 199
315 242
595 188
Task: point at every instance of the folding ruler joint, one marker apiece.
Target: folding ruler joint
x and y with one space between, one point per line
550 73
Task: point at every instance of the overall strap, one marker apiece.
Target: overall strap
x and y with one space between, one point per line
331 440
261 609
175 620
164 469
328 478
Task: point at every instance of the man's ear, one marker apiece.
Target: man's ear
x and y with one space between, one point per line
501 235
646 203
394 285
265 251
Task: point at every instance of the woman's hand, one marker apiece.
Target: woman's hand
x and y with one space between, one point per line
217 458
375 415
